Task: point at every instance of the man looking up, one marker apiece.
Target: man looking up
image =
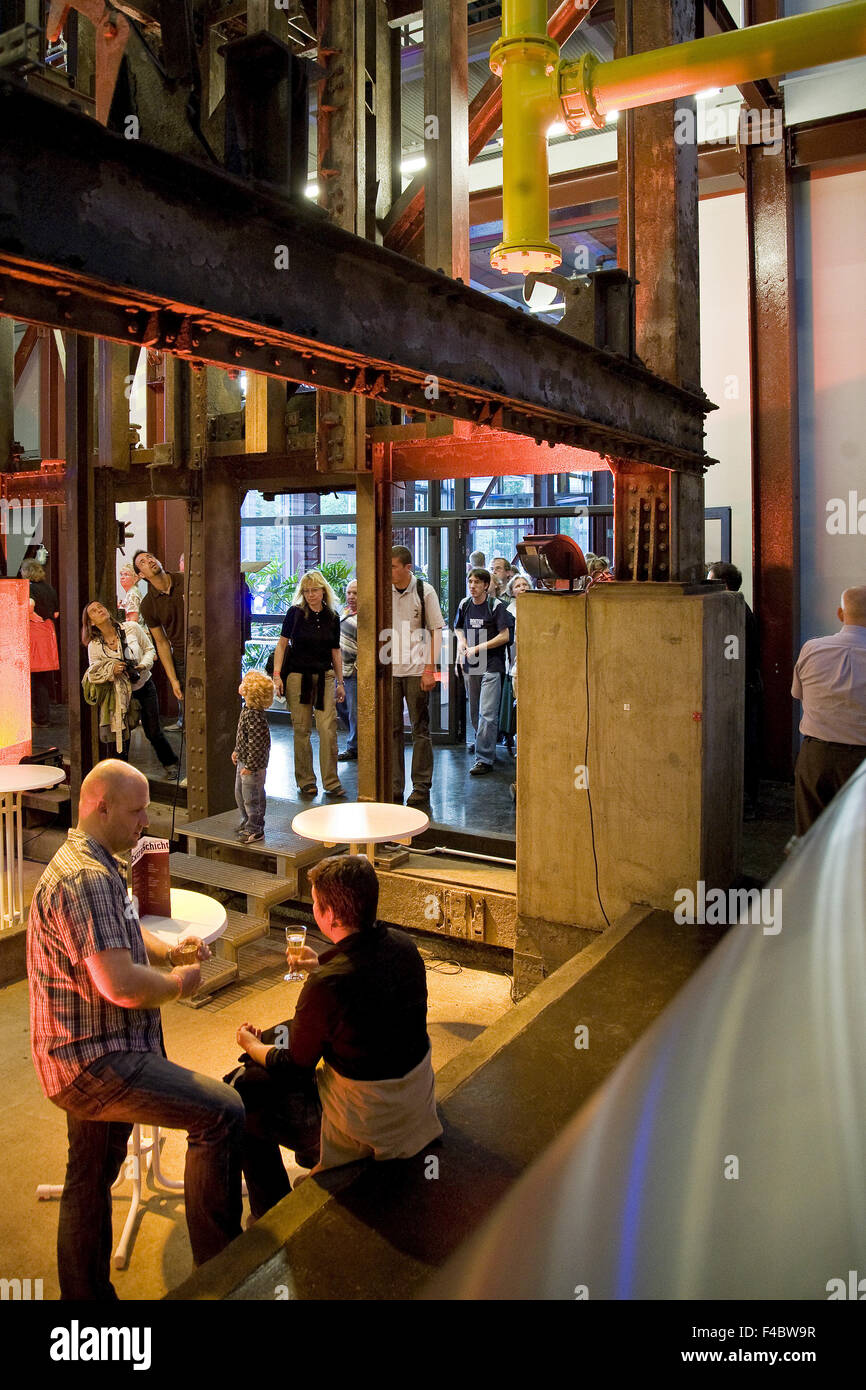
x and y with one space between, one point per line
483 632
162 610
417 618
97 980
830 683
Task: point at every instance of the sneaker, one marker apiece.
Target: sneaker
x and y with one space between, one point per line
418 798
174 728
480 770
308 792
170 769
253 836
349 756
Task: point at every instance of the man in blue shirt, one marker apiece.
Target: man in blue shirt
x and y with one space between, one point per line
482 632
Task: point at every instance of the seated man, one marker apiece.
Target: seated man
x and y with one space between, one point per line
363 1009
96 1035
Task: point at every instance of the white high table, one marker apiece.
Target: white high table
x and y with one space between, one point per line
359 823
192 914
15 780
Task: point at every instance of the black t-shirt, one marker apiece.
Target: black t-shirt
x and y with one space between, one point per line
312 638
480 625
166 610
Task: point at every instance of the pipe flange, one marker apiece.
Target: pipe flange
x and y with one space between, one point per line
536 46
576 86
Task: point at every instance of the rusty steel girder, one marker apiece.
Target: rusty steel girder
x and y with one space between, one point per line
148 247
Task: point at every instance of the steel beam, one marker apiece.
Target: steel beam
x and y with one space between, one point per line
347 314
446 102
775 434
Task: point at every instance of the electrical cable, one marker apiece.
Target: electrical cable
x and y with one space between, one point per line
586 748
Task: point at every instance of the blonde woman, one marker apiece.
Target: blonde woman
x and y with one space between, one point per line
309 667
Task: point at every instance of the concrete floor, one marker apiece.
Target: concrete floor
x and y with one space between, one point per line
462 1003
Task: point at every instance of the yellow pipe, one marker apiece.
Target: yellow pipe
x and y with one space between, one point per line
525 58
726 60
537 89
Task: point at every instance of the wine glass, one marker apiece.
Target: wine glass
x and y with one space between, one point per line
295 938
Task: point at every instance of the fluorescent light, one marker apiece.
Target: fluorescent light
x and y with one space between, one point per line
708 92
612 116
546 308
411 166
558 128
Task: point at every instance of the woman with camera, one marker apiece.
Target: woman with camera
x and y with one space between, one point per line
121 657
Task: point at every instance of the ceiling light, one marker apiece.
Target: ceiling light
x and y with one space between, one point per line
312 190
558 128
708 92
611 117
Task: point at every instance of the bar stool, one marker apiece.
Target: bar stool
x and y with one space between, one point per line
138 1147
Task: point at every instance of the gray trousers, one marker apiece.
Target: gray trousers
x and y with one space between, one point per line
408 688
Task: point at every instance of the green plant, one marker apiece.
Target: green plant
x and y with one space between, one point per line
278 592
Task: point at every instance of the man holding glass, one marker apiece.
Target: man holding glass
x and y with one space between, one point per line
97 981
363 1012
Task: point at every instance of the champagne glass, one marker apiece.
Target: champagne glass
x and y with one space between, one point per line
295 938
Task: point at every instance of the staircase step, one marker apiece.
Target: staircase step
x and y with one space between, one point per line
240 931
260 888
49 800
215 974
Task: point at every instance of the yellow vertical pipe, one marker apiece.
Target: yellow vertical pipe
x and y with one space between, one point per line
526 59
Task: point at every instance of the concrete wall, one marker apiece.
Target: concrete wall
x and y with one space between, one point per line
664 765
830 214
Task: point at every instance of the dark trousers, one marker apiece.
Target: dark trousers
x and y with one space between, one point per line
40 696
408 688
282 1109
149 705
822 770
101 1106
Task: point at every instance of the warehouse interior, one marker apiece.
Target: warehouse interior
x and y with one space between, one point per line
330 277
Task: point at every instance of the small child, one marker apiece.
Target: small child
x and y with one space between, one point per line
252 750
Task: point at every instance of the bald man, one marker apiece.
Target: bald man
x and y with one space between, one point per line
97 981
830 682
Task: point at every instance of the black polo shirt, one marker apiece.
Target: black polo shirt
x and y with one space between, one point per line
312 637
166 610
364 1009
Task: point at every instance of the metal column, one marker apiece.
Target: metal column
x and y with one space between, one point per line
775 442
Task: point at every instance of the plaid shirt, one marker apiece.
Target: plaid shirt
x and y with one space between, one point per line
80 908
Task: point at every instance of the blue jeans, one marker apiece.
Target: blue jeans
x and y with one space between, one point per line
351 685
484 695
251 799
102 1104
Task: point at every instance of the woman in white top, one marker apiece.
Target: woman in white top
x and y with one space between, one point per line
131 643
131 601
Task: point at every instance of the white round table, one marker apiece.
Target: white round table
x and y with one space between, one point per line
192 914
15 780
360 823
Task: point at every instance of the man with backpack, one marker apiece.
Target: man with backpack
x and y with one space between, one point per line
482 630
417 622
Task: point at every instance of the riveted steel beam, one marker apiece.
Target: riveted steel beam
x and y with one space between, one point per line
344 313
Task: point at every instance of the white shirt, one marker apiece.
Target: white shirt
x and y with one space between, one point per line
412 648
830 680
139 646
